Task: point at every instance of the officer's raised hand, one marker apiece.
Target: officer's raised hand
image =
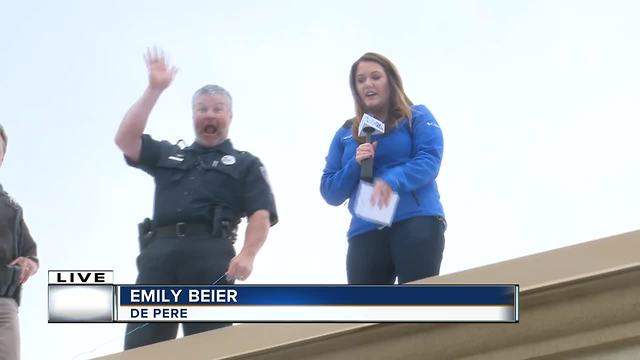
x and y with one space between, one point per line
160 73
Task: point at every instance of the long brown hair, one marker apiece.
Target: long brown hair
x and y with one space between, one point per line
399 103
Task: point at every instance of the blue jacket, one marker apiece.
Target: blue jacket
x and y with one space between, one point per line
408 159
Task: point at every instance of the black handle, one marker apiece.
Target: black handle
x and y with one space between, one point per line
366 166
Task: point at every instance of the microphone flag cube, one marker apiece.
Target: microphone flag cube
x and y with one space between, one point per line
370 125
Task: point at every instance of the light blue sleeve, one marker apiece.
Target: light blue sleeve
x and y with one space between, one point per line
428 147
338 181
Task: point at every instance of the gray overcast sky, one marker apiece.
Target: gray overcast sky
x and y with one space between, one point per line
538 102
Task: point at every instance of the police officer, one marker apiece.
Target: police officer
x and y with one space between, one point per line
201 193
18 262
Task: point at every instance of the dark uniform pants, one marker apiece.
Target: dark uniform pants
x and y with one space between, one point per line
410 249
196 260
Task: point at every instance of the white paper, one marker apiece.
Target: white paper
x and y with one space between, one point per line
373 213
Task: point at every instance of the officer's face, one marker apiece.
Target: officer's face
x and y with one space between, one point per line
373 86
211 118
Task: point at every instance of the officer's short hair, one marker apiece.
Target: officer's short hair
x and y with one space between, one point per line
3 135
212 90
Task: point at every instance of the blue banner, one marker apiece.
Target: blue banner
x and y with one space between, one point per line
296 295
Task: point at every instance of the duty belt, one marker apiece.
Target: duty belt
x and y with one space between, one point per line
182 229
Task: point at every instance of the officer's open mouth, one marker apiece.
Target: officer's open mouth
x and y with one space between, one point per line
210 129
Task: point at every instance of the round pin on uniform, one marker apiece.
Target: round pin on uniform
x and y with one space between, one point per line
228 160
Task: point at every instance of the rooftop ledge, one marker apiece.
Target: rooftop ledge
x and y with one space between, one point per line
580 301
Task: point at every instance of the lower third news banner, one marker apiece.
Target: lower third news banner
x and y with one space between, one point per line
92 296
303 303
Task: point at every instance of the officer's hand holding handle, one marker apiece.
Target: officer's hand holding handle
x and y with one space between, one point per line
160 73
240 267
28 267
365 151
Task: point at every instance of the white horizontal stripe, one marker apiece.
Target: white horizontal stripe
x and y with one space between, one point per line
250 313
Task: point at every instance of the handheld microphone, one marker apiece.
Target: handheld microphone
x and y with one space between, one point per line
369 126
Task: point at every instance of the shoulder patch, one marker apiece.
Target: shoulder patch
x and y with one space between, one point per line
263 171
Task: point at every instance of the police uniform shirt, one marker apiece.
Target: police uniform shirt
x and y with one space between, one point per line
12 225
190 181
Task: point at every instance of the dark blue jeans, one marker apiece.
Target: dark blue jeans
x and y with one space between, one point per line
179 261
409 250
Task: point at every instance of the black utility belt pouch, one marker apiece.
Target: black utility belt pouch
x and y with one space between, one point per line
9 281
224 223
144 233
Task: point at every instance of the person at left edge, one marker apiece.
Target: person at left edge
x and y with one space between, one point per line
18 262
201 193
